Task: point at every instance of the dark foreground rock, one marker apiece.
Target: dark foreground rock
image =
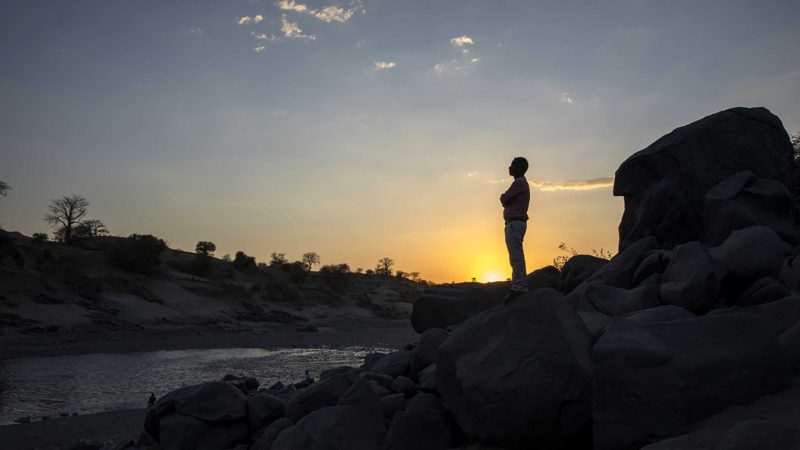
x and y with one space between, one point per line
653 380
519 375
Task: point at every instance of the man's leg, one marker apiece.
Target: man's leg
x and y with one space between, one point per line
515 233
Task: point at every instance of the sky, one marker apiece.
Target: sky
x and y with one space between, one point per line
363 129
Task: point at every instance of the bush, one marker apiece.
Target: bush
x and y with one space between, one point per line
241 261
138 253
335 274
296 270
278 260
39 237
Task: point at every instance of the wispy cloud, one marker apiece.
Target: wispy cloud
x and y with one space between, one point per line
580 185
247 20
259 49
565 97
263 36
331 13
383 65
548 186
292 31
197 32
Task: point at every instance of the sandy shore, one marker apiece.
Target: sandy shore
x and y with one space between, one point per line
63 432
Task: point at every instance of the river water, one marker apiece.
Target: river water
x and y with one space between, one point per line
48 386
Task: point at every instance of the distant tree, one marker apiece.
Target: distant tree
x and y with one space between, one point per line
4 188
139 253
414 276
400 275
474 280
242 261
278 260
89 228
67 211
358 270
369 272
384 267
205 248
226 257
39 237
309 260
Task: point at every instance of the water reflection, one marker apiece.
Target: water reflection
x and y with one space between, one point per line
105 381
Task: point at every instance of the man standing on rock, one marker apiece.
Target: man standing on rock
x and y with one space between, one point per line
515 203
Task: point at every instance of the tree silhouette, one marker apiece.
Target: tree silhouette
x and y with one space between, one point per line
67 211
4 188
309 259
90 228
205 248
795 138
384 267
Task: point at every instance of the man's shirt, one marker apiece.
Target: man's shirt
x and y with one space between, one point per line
516 199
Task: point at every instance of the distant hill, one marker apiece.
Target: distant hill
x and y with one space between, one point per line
47 287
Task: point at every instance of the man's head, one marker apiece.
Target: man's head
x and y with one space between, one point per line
518 167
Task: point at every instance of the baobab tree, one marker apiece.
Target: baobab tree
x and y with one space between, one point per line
67 212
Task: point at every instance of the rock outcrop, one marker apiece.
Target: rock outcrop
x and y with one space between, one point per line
665 184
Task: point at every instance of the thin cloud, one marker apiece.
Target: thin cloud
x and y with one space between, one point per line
331 13
292 31
462 41
259 49
565 97
580 185
383 65
197 32
247 20
548 186
263 36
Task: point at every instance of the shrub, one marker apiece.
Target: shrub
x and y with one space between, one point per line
242 261
39 237
335 274
205 248
278 260
297 271
138 253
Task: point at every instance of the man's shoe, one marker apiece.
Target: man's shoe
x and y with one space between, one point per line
511 296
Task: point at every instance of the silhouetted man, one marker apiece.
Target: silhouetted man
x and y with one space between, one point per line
515 203
152 400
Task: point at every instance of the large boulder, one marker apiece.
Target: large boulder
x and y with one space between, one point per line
519 375
202 416
452 304
692 280
744 200
262 410
749 254
341 427
765 290
578 269
425 428
664 185
616 302
319 395
654 379
769 422
394 364
546 277
425 352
